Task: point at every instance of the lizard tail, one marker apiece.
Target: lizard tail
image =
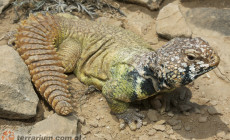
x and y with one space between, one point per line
35 41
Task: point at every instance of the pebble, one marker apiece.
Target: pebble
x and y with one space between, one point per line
197 111
152 115
220 134
187 127
203 119
152 132
170 114
85 130
172 137
144 137
173 122
145 123
204 100
177 127
227 136
212 111
170 131
161 122
213 102
81 119
159 127
186 113
93 124
98 117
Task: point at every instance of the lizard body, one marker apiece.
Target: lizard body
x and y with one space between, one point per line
116 61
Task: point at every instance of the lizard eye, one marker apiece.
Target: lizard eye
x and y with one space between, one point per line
191 57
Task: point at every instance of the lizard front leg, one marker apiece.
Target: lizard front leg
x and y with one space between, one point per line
118 93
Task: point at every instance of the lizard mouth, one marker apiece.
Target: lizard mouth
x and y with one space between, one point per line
205 71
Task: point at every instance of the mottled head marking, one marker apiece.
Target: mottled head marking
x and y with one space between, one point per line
182 60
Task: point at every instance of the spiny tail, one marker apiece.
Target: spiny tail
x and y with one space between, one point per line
35 43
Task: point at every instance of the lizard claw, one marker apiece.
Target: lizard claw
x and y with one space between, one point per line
132 118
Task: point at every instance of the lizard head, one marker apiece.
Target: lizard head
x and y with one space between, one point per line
182 60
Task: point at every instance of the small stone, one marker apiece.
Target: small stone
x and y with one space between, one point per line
173 122
203 119
152 132
160 122
177 127
212 111
227 136
186 113
81 119
169 131
172 137
213 102
170 114
159 127
187 127
98 117
152 115
220 134
144 137
197 110
204 100
145 123
56 125
103 136
93 124
85 130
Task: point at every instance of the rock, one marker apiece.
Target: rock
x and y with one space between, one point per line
152 5
197 111
227 136
160 122
152 115
217 19
93 123
170 131
220 134
103 136
173 122
177 127
145 123
144 137
204 100
170 23
152 132
172 137
159 127
203 119
213 111
170 114
4 4
187 127
56 125
81 119
18 99
213 102
142 24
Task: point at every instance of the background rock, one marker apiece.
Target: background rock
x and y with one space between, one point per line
56 125
18 99
170 23
4 4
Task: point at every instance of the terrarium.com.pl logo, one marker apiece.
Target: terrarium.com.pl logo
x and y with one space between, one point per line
10 135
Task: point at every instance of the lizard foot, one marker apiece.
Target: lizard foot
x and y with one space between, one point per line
179 98
132 118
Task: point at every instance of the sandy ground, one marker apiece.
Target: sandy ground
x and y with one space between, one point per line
209 91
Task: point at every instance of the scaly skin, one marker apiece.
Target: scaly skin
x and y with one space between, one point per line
120 63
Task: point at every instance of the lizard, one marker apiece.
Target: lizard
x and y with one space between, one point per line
116 61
